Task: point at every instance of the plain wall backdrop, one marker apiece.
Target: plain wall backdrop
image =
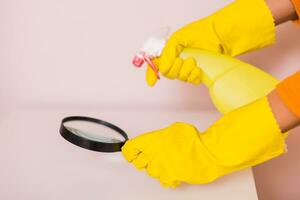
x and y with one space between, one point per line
75 53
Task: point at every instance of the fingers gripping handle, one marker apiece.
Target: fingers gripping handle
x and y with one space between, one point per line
213 65
231 82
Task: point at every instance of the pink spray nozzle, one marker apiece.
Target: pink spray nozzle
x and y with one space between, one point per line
151 49
138 61
142 57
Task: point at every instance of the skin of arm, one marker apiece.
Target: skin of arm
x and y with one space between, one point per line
282 11
284 117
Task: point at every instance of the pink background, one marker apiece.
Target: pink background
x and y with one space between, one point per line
64 53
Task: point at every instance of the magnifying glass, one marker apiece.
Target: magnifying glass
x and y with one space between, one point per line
93 134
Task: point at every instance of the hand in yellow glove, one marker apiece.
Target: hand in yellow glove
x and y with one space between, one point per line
240 27
179 153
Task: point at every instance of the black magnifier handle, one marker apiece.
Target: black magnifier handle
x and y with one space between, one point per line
87 143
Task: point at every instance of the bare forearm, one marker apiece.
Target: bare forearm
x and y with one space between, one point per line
282 10
285 118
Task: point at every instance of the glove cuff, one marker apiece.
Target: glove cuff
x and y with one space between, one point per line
244 138
245 26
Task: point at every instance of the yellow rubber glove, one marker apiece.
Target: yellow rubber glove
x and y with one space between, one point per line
231 82
242 26
179 153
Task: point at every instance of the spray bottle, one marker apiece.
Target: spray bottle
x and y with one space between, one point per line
231 82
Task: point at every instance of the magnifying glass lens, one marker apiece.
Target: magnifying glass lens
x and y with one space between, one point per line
93 131
93 134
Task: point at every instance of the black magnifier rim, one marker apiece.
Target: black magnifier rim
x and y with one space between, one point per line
91 144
